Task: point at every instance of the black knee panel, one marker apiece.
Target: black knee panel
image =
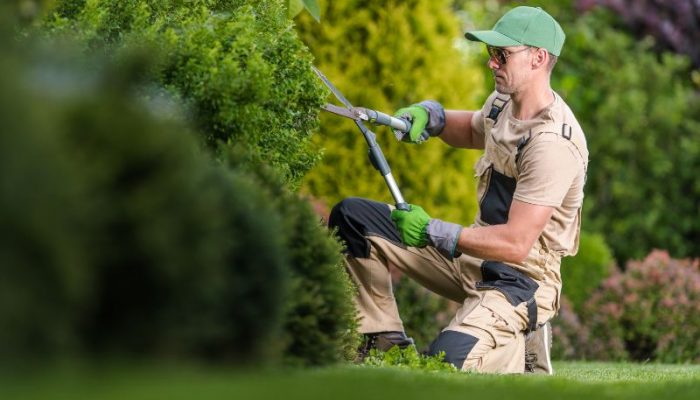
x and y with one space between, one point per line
358 218
456 346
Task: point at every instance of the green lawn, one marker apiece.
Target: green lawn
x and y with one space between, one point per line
572 381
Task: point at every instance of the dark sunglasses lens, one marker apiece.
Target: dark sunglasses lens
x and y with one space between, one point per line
498 54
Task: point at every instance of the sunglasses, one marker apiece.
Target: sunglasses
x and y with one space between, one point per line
501 55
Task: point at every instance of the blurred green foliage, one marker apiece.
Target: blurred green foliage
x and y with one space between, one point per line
384 55
237 64
647 312
642 119
120 236
583 273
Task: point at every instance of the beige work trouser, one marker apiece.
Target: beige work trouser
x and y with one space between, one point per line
486 315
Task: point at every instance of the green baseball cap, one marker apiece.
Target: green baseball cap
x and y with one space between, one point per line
523 26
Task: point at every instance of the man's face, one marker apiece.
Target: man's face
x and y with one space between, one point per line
510 67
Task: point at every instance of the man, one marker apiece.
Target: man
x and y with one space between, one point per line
504 268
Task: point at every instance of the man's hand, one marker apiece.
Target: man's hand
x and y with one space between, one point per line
417 229
418 116
411 225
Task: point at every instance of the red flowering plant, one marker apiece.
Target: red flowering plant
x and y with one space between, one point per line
651 311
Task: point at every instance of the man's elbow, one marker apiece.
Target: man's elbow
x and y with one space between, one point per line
518 252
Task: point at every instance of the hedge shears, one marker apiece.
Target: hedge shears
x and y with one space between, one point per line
359 115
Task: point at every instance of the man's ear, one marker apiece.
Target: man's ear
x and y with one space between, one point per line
540 59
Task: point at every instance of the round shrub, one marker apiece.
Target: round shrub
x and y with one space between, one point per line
320 319
651 311
121 236
247 81
320 324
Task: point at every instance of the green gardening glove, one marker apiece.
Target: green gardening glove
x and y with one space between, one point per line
412 225
418 116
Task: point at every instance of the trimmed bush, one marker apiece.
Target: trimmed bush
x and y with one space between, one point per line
247 81
320 320
648 312
237 64
584 272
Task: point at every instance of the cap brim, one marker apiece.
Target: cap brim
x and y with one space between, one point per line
492 38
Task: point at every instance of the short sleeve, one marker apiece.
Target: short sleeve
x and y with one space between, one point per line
548 167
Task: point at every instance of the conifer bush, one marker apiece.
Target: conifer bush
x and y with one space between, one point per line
122 237
648 312
246 80
238 64
320 323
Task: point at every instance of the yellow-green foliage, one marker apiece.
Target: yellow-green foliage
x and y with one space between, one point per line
384 55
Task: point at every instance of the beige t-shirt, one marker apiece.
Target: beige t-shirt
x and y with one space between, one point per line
549 169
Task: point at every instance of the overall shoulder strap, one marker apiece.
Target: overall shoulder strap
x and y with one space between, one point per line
497 105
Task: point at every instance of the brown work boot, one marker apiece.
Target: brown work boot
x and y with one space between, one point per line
382 341
538 347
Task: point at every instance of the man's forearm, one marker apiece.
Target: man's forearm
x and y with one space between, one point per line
510 242
494 242
458 130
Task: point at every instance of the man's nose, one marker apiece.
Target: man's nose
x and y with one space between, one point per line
492 64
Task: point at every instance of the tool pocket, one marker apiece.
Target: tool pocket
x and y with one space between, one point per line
498 196
516 287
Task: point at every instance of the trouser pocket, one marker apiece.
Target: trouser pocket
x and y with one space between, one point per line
516 287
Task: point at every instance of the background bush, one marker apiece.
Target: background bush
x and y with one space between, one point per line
584 272
642 115
648 312
672 23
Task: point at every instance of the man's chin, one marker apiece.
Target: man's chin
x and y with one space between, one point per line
503 90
